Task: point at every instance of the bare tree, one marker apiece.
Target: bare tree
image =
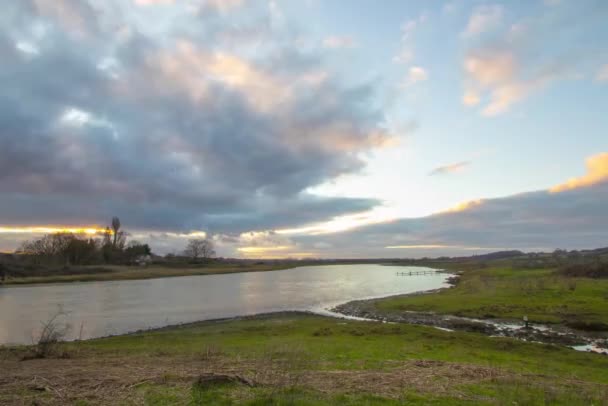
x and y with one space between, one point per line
66 248
199 248
115 230
107 237
51 247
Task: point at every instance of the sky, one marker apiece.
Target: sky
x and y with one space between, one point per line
313 128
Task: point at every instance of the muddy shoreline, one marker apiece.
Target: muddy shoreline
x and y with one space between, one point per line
554 334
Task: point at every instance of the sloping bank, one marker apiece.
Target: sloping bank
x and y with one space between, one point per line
494 302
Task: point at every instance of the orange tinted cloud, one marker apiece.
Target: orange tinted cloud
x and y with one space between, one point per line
597 171
464 206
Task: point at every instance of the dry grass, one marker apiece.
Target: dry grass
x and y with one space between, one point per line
116 380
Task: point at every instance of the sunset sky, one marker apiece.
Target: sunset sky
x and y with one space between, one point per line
307 128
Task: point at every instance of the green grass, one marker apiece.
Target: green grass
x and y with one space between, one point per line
542 295
331 343
492 370
231 395
225 396
495 394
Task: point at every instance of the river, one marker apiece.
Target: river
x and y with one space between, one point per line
95 309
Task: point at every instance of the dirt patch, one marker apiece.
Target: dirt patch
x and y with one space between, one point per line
106 380
118 379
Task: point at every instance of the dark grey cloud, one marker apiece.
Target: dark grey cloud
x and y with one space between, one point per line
102 115
573 219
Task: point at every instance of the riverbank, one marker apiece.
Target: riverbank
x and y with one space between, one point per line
494 301
120 272
302 359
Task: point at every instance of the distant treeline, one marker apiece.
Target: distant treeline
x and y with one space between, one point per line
66 253
109 247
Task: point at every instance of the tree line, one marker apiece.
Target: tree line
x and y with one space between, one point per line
111 246
67 248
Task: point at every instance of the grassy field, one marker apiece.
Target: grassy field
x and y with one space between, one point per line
300 359
543 295
295 359
120 272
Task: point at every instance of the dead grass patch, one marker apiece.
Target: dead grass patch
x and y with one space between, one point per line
116 380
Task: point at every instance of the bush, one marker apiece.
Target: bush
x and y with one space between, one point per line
592 270
52 333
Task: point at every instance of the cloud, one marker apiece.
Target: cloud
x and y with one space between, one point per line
415 75
471 98
449 7
602 74
533 221
540 220
153 2
185 129
221 6
464 206
407 28
451 168
74 16
263 245
406 52
405 56
521 59
597 172
574 218
484 18
337 42
496 74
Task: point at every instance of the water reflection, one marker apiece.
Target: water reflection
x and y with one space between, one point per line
103 308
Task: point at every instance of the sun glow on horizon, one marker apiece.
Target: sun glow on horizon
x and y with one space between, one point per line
273 252
423 246
91 230
260 249
345 223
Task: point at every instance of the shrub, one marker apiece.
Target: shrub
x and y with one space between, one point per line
588 270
